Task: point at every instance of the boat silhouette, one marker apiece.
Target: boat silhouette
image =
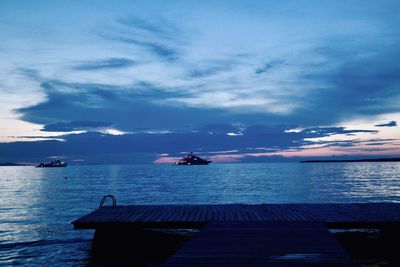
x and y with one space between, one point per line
53 164
192 159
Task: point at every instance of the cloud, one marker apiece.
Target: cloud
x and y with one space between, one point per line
257 143
207 71
156 26
310 86
268 66
349 143
76 126
207 68
161 50
335 130
217 128
362 83
389 124
212 140
158 37
130 109
111 63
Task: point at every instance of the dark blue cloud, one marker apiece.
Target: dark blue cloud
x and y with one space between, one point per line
75 126
354 79
216 66
389 124
266 129
111 63
335 130
204 72
218 128
141 108
156 27
127 108
267 66
94 146
159 49
357 86
158 37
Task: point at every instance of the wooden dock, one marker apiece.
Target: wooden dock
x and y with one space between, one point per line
186 216
251 235
261 244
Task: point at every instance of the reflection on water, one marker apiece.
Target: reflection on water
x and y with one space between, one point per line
38 204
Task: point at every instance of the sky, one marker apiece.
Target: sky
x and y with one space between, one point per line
233 81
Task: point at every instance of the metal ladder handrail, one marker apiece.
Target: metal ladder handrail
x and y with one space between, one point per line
103 200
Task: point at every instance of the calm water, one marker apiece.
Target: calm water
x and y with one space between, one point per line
37 205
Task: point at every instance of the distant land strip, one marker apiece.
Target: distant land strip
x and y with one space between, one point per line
353 160
12 164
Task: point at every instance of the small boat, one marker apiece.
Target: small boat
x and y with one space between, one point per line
191 159
53 164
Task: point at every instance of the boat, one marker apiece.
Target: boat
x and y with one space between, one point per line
53 164
192 159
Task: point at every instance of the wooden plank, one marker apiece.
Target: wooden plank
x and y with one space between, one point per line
261 244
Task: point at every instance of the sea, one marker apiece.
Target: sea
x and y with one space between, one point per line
37 205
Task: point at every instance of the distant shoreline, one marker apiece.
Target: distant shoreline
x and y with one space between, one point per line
353 160
12 164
